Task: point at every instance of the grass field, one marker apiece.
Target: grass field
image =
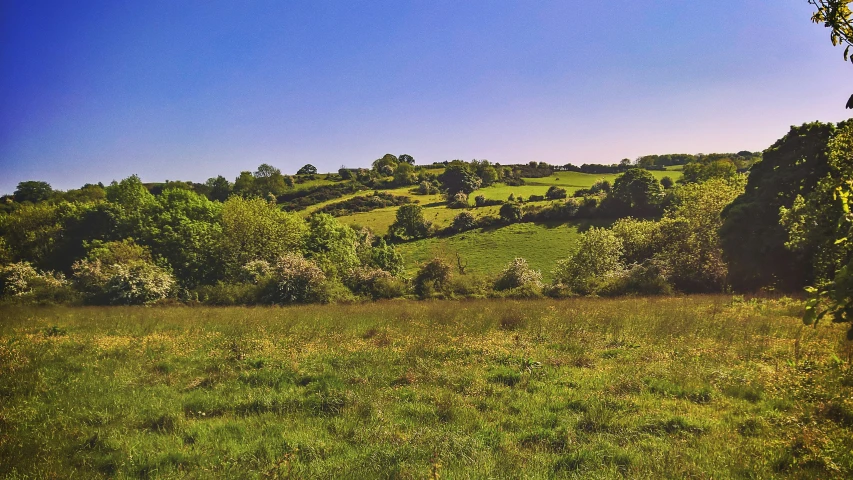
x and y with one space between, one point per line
690 387
487 252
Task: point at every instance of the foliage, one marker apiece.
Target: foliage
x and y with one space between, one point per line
463 222
835 15
364 203
641 239
299 200
404 174
138 283
433 278
307 169
219 188
751 236
635 192
458 178
692 256
822 222
252 229
409 223
510 212
459 200
598 255
331 245
294 279
555 193
32 191
518 274
700 172
375 283
22 279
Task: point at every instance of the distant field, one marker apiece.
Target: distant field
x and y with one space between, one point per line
487 251
688 387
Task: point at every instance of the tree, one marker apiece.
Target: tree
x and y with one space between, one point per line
555 193
457 178
666 182
331 244
821 222
409 223
752 238
510 212
252 229
598 254
406 158
636 192
385 164
32 191
220 188
270 181
836 15
245 184
307 169
404 174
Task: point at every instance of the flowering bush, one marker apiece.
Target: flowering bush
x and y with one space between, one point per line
296 280
518 274
20 279
375 283
132 283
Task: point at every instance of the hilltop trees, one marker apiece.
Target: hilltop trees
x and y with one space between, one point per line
32 191
409 223
636 192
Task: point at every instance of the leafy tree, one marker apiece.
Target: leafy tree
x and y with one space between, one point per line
463 222
666 183
692 257
307 169
510 213
406 158
404 174
409 223
635 192
457 178
244 185
836 15
270 181
387 258
555 193
598 254
432 278
220 188
518 274
345 173
641 239
386 164
32 191
699 172
331 245
751 236
252 229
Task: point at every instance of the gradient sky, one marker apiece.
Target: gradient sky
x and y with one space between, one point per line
99 90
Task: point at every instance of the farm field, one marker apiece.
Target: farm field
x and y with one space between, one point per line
701 387
487 251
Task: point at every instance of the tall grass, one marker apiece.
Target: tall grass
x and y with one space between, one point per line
707 387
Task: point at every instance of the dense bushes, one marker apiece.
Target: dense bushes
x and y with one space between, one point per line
301 199
365 203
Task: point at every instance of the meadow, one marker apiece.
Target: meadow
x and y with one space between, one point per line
679 387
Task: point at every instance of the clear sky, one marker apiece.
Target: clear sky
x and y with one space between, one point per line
99 90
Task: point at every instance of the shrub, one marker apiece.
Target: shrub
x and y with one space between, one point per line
462 222
480 201
410 223
375 283
296 280
459 200
427 188
24 281
598 255
432 278
555 193
510 213
536 198
139 283
518 274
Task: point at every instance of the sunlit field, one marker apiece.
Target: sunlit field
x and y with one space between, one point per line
685 387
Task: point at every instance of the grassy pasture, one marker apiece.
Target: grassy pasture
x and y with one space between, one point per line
689 387
488 251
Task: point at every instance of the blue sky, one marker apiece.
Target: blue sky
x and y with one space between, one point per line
98 90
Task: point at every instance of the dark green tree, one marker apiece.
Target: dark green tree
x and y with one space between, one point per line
32 191
406 158
636 192
752 238
457 178
307 169
409 223
220 188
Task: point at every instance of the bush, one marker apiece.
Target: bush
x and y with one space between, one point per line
645 279
23 281
518 274
139 283
510 213
375 283
459 200
227 294
427 188
296 280
598 256
555 193
410 223
462 222
432 278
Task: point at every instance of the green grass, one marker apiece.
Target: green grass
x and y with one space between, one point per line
691 387
487 252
